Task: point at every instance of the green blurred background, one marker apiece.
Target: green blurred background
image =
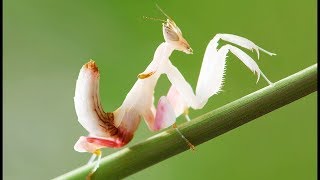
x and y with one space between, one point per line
47 42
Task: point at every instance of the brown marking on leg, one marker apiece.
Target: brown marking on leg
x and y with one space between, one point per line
143 76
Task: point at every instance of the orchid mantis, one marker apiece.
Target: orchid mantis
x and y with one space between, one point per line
116 129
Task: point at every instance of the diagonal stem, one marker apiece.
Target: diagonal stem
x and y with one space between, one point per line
208 126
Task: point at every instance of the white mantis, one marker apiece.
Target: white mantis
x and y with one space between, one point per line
116 129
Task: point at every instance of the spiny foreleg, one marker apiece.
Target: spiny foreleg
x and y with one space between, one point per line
211 74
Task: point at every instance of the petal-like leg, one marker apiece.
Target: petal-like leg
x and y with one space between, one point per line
165 115
179 105
211 74
177 101
161 118
213 68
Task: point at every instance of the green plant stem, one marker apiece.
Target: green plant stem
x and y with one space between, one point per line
201 129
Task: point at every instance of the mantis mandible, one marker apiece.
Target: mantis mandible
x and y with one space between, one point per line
116 129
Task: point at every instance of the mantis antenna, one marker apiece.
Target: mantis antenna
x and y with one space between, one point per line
157 19
163 12
154 19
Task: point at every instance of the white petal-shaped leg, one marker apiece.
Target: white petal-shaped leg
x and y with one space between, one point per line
165 115
241 41
161 118
179 105
212 70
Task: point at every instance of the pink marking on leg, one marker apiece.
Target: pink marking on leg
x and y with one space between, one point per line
176 100
118 141
112 143
165 115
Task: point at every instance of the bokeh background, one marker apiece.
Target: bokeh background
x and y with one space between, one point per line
47 42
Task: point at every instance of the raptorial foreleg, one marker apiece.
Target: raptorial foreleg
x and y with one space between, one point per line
211 74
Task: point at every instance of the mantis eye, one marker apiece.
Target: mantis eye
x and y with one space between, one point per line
170 34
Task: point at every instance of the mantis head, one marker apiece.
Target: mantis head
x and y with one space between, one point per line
173 35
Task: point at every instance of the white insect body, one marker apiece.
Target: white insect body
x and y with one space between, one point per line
116 129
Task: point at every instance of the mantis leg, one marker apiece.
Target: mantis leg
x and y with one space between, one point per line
213 65
96 166
240 41
178 103
212 71
176 100
182 88
162 53
93 157
247 60
164 116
